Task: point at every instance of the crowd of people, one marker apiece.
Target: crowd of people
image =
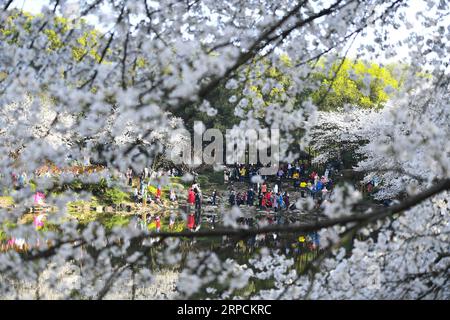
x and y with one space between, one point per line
144 181
309 242
305 180
263 198
245 172
272 194
194 200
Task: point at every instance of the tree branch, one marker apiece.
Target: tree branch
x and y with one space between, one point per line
357 218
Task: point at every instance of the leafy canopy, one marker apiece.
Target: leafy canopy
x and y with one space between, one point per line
362 84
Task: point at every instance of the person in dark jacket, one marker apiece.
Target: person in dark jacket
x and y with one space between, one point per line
286 200
198 199
232 198
214 197
260 199
250 197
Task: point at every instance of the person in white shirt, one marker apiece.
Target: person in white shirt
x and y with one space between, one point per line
275 188
324 192
289 170
226 175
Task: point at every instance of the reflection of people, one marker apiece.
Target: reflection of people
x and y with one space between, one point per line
172 220
141 223
172 195
38 221
22 179
212 220
86 160
39 198
20 243
191 221
198 199
214 197
158 193
158 223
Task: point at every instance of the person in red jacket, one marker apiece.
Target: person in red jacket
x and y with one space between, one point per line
158 193
191 197
268 197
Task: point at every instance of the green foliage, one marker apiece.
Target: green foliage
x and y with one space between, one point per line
50 227
219 99
6 201
357 83
177 187
86 45
114 196
179 181
210 179
9 28
108 220
101 191
4 228
261 95
115 221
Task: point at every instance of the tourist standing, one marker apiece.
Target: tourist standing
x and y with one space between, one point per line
226 175
264 188
129 175
198 207
242 173
250 197
191 197
303 188
289 170
232 198
275 188
286 200
198 199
